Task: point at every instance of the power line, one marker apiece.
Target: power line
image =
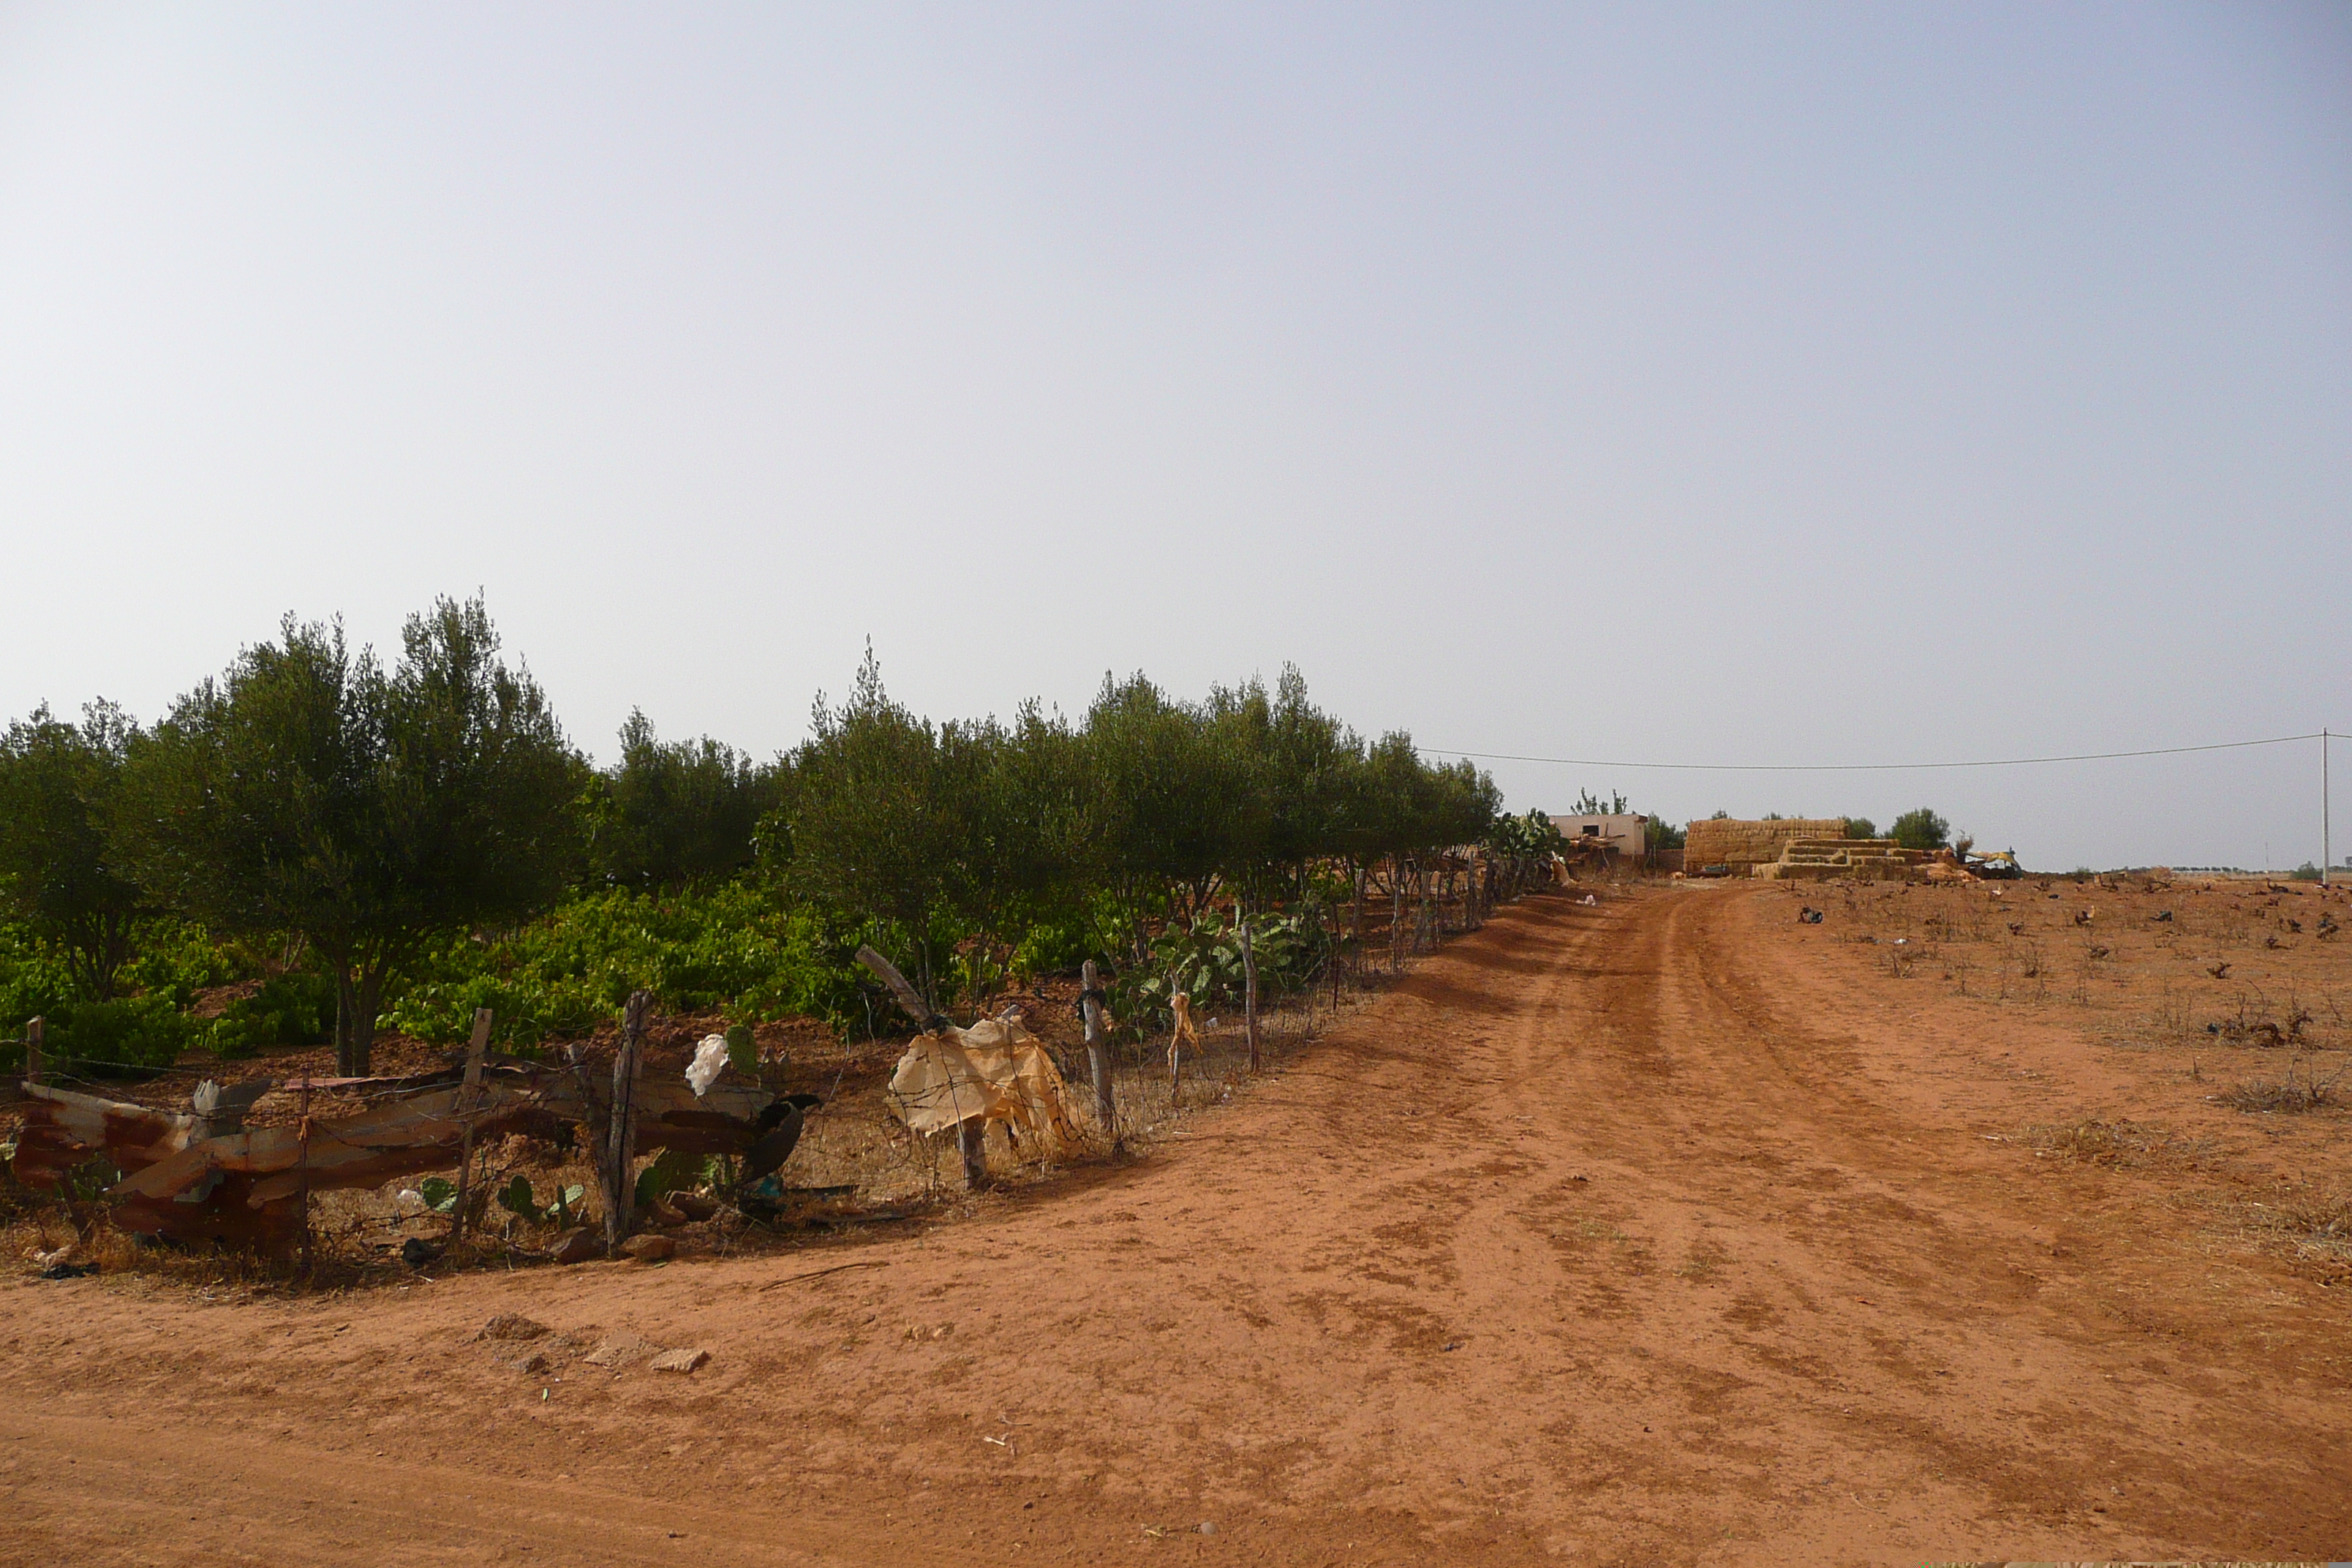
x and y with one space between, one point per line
1866 767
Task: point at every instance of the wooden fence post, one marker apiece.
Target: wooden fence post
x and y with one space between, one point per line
620 1142
1249 990
1396 913
1099 1053
35 1032
468 1092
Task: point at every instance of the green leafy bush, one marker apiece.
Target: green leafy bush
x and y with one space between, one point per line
1205 963
33 981
289 1010
137 1033
731 948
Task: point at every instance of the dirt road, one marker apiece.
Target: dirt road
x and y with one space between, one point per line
1636 1233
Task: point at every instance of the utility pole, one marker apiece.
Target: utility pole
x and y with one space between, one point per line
2327 849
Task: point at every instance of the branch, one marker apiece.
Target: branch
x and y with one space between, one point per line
910 1000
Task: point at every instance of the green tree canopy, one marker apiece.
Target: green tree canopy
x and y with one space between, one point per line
59 787
880 821
1920 829
308 790
671 814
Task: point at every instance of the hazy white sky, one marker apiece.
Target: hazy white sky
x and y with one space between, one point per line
1789 385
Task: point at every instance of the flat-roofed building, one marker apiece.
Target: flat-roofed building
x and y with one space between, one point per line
1621 833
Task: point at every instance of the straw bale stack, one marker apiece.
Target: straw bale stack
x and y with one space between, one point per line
1744 846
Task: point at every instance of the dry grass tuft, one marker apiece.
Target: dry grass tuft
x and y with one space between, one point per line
2286 1095
2122 1143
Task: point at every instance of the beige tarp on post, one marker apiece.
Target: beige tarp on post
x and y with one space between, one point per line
996 1071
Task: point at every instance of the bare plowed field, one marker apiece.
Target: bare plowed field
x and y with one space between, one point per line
1663 1230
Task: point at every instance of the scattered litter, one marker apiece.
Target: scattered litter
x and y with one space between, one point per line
1454 1344
1589 899
416 1252
69 1270
680 1361
1809 916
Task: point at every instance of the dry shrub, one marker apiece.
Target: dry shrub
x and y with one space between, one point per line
2288 1094
2121 1143
2318 1217
2315 1226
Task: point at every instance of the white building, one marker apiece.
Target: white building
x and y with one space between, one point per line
1626 833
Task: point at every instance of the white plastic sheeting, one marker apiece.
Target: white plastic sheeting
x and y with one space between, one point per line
710 1061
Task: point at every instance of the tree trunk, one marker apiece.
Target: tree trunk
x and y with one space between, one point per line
370 997
347 1009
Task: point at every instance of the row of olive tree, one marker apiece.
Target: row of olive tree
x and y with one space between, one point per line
370 811
1151 809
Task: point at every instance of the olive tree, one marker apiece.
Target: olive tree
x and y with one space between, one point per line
310 790
1920 829
878 821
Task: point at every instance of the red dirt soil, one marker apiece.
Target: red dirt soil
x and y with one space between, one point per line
1660 1231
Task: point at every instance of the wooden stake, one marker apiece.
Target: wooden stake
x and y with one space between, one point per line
1396 914
468 1093
620 1142
303 1157
1249 991
910 1000
36 1031
971 1142
1098 1054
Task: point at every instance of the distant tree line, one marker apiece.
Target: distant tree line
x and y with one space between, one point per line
314 798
